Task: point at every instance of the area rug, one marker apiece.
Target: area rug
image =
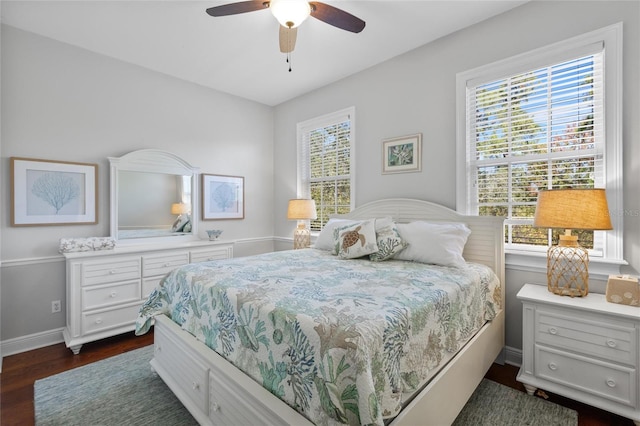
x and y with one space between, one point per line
123 390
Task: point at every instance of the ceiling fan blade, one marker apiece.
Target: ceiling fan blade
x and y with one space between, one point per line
336 17
287 39
239 7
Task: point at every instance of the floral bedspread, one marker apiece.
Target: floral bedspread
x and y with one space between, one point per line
338 340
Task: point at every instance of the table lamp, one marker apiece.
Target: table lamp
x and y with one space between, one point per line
301 210
568 262
179 208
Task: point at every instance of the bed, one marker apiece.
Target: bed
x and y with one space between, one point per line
331 336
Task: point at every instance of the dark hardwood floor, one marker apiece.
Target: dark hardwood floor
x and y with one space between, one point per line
20 371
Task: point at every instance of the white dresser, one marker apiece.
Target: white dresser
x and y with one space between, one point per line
584 348
105 289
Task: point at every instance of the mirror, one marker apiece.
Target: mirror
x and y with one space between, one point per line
153 195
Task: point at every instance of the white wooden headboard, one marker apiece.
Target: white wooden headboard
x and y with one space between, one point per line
485 244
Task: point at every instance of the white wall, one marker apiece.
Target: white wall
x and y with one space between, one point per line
60 102
415 93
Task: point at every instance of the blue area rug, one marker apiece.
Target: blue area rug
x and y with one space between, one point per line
123 390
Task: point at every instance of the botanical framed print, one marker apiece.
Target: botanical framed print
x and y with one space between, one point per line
222 197
45 192
403 154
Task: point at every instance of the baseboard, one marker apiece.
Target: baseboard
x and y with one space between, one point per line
513 356
30 342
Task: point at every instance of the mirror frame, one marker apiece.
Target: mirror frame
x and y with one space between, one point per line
153 161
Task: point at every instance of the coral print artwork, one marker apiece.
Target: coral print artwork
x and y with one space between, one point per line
403 154
45 192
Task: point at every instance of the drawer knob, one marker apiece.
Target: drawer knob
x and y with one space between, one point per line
196 386
112 272
612 343
215 406
113 294
611 383
553 366
98 320
166 265
553 330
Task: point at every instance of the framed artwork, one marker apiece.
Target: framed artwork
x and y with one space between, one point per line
222 197
403 154
47 192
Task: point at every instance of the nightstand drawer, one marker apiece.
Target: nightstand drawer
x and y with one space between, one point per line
604 339
163 264
111 271
604 380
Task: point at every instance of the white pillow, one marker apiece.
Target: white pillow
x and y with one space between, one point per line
436 243
356 240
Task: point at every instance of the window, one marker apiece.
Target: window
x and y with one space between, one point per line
544 120
325 164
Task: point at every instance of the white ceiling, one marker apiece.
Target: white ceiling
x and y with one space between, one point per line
240 54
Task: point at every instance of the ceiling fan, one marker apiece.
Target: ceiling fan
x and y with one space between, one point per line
290 14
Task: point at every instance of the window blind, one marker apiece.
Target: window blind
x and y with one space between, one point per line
538 129
325 165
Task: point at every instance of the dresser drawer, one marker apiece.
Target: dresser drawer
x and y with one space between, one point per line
163 263
112 270
209 254
100 296
105 319
188 372
604 380
603 338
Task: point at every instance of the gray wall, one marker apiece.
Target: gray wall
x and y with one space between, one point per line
415 92
60 102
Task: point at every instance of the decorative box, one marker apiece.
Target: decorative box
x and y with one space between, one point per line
623 289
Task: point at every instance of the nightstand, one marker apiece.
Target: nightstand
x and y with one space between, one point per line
584 348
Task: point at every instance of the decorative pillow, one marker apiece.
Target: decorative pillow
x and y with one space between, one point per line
356 240
179 223
436 243
389 243
325 239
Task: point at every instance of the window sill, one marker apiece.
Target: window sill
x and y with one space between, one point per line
599 268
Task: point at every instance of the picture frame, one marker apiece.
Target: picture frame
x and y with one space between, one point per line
222 197
402 154
48 192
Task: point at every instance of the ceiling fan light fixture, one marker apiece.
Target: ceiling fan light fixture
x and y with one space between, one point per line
290 13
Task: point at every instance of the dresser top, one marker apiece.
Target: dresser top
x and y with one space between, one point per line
144 248
593 302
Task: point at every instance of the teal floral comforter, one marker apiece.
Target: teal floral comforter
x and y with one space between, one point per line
339 340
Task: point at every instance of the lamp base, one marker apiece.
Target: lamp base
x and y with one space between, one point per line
568 270
301 237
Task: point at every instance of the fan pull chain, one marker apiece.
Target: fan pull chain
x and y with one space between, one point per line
289 47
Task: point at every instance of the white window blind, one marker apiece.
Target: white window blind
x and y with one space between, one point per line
546 119
540 129
325 164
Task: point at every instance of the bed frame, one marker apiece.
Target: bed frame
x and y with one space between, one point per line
215 392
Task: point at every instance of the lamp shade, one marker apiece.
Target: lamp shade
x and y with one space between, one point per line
572 209
301 210
290 13
179 208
